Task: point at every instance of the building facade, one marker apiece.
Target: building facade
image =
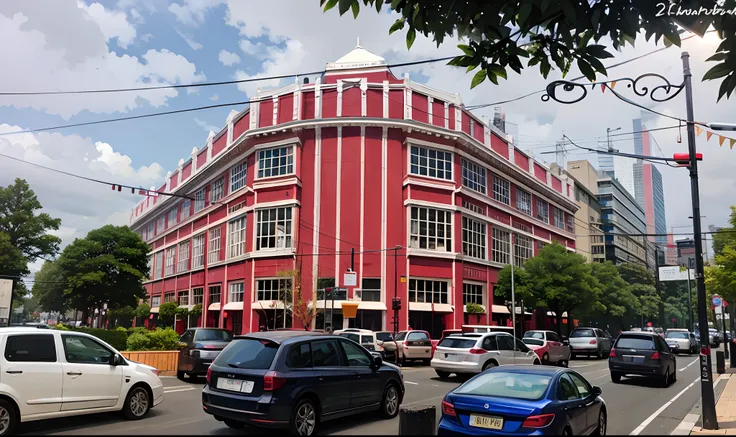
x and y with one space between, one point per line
427 196
648 186
589 239
622 215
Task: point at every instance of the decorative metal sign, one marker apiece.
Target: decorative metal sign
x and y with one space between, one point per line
575 92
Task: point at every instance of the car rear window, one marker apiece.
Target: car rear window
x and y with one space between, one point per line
417 336
354 337
457 343
525 386
213 335
532 334
577 333
635 342
366 339
248 353
533 341
384 336
677 335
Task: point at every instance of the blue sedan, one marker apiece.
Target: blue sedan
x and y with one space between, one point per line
524 400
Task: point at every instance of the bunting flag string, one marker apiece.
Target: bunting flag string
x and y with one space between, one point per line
721 140
708 135
698 130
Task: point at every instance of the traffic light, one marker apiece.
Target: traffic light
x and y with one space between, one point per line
396 303
683 159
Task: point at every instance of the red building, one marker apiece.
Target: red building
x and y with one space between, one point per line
358 160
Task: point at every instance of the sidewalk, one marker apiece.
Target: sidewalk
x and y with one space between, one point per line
725 410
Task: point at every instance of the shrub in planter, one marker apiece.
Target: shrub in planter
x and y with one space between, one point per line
138 330
138 342
163 340
115 338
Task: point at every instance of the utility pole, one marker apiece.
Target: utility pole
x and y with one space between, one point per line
560 153
710 420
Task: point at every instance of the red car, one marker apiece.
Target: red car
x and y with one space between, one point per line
548 347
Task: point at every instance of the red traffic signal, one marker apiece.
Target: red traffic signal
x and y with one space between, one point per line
683 159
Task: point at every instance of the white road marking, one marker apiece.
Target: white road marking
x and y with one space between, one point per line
694 361
412 383
177 389
654 415
582 365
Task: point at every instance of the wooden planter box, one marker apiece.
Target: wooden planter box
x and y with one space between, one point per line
165 361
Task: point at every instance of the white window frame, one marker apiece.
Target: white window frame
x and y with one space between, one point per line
238 176
282 238
475 291
524 201
500 245
475 208
198 296
198 251
280 283
559 216
236 237
236 290
523 249
501 190
170 261
475 176
150 267
264 163
159 265
186 209
474 238
570 223
155 301
420 165
183 263
414 288
436 242
184 293
213 249
150 230
218 294
217 190
168 296
542 210
200 199
171 217
160 225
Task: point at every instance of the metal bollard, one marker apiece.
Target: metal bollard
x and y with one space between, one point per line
418 420
733 354
720 362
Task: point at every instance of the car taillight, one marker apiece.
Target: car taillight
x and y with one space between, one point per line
539 421
448 409
209 374
593 342
155 372
272 381
406 346
655 356
477 351
612 353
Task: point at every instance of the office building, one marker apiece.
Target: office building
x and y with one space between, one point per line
621 216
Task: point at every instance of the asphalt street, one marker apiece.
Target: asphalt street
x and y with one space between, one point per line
634 406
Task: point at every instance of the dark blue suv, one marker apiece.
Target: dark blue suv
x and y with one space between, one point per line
295 380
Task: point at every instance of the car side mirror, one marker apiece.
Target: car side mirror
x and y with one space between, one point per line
116 360
377 359
565 342
597 391
182 345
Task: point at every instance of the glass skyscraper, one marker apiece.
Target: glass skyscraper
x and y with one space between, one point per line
648 187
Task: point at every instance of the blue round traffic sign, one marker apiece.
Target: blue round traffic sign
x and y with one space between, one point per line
717 301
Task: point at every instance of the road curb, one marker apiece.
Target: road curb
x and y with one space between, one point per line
693 418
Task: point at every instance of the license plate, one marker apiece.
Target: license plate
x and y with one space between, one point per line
452 357
235 385
487 422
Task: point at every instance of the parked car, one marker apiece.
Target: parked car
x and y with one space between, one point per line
715 337
296 380
548 347
198 347
524 400
645 354
590 342
378 341
445 333
469 354
49 374
414 345
681 340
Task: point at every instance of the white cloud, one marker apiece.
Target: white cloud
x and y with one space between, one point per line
192 12
228 59
57 46
114 24
206 126
189 40
81 205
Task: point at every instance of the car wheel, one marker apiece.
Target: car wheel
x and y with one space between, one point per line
180 375
303 418
573 356
602 423
390 402
674 375
537 362
8 417
616 377
665 381
234 424
442 375
427 362
563 363
545 358
137 403
488 365
599 354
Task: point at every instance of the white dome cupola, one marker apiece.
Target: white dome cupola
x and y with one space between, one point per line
358 58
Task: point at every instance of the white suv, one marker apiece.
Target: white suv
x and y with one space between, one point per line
45 374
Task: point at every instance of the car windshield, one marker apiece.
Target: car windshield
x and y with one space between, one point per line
248 353
213 335
533 341
384 336
457 343
684 335
525 386
635 342
534 334
577 333
401 336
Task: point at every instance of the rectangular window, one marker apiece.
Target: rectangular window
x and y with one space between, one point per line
171 217
474 238
237 176
500 247
371 289
431 162
430 229
170 259
523 249
559 218
523 201
198 251
237 292
217 190
184 298
421 290
150 231
277 161
170 297
150 267
236 240
475 208
186 209
155 301
197 296
183 264
274 228
159 265
501 190
473 293
215 293
213 254
272 289
474 176
571 223
160 225
33 348
543 210
199 200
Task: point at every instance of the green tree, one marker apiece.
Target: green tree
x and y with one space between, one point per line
108 266
617 302
727 237
542 32
166 313
641 284
48 288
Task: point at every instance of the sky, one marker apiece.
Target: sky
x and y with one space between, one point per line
71 45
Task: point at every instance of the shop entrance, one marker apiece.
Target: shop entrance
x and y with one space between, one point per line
432 322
